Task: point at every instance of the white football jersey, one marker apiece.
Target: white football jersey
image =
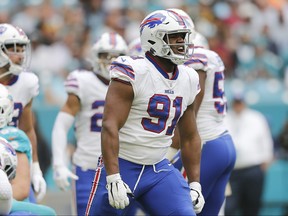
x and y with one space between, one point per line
158 104
213 107
88 122
23 89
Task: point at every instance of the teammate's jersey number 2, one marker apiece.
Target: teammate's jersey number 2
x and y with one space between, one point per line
159 107
96 119
18 109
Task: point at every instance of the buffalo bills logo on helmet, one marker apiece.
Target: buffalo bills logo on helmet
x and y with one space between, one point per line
2 29
152 21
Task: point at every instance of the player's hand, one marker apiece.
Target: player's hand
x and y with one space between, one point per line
196 196
117 191
61 177
38 182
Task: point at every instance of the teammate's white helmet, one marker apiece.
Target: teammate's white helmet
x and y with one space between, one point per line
157 26
111 44
10 36
200 41
8 158
6 106
134 47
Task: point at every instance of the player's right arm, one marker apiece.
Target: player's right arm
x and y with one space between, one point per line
190 144
118 103
63 123
117 106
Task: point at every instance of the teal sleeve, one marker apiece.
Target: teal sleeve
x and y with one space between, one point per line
30 209
18 139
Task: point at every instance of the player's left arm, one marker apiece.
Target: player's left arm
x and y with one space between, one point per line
190 144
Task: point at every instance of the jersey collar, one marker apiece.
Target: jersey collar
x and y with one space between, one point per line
160 69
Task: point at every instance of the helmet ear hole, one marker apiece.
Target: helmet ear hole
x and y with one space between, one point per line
151 42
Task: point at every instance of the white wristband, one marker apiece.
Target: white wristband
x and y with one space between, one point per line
36 168
195 186
113 178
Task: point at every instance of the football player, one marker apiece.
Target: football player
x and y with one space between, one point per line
15 53
86 97
146 98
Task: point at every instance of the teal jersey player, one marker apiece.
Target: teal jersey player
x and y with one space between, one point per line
21 143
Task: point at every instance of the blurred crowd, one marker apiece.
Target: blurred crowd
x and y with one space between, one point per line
249 35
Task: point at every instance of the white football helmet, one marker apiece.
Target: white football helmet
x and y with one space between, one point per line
134 47
105 50
6 106
10 37
8 158
200 41
156 27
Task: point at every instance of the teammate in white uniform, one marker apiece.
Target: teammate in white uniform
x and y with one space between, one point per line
146 98
86 97
14 60
218 152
